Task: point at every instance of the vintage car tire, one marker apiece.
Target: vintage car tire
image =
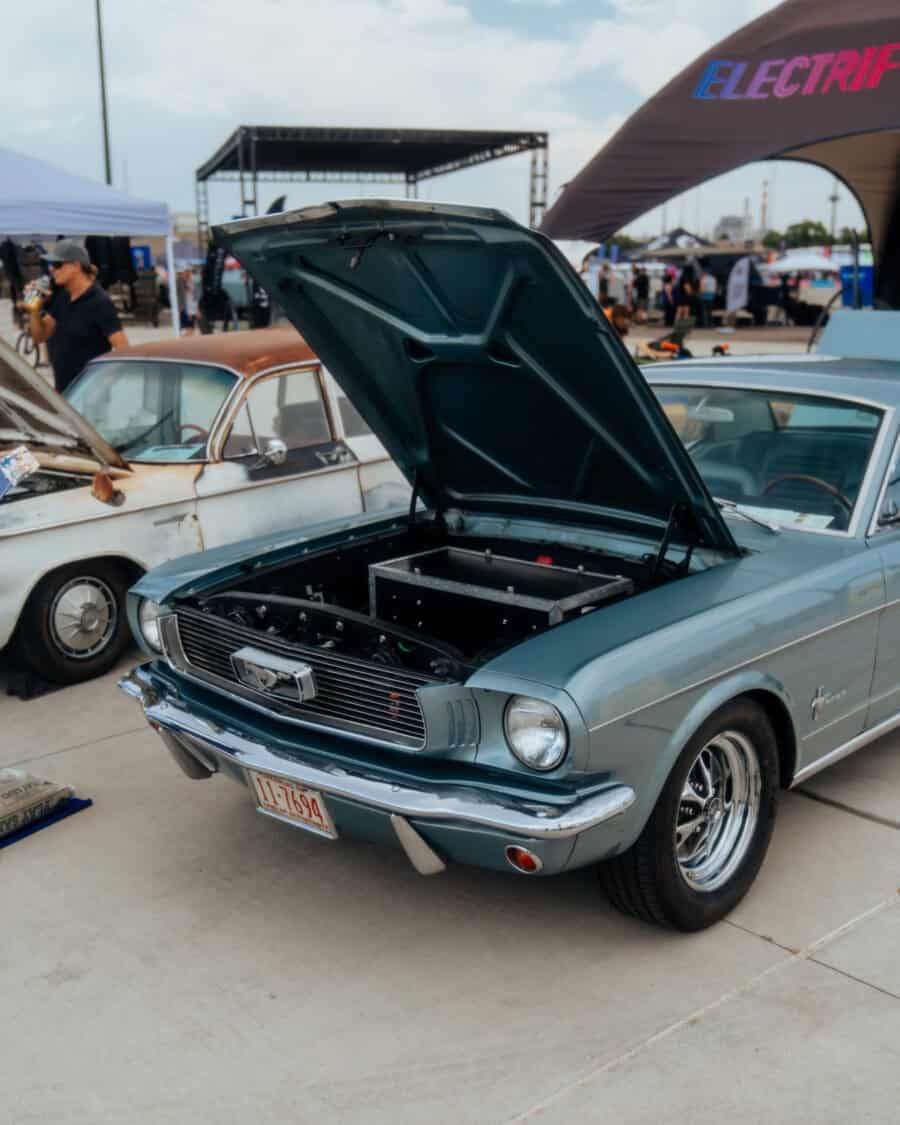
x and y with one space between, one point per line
655 883
39 642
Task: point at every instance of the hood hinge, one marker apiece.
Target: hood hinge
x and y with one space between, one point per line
683 517
413 500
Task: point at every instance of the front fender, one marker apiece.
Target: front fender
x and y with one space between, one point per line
712 699
642 748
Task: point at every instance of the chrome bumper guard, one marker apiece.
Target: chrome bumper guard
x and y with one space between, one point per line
195 744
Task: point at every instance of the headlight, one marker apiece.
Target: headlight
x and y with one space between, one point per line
536 732
148 616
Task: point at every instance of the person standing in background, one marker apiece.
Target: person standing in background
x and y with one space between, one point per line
77 320
667 299
187 301
641 295
709 289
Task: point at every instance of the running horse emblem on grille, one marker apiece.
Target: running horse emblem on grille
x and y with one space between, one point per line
278 676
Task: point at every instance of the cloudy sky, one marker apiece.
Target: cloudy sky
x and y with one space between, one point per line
182 74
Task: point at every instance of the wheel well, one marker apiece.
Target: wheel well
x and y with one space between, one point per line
785 736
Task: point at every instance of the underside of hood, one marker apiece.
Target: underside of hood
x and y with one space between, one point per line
474 351
33 413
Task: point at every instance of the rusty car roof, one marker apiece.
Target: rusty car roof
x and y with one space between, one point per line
247 353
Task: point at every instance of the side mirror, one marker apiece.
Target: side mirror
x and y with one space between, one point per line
275 453
890 513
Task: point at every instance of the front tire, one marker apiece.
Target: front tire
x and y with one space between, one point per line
707 837
74 626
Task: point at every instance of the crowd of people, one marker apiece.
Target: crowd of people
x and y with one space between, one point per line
686 294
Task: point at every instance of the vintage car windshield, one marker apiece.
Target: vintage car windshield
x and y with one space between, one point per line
794 460
150 410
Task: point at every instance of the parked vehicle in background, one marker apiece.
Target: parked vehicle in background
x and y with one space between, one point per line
159 451
599 644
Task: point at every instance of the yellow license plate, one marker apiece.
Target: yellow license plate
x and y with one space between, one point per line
292 802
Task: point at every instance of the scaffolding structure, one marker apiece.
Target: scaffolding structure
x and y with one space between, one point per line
295 154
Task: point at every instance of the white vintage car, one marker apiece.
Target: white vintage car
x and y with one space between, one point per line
155 452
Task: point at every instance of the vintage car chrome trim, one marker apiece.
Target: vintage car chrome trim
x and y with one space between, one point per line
822 728
423 858
187 759
457 804
138 688
881 438
847 749
874 527
745 664
231 407
173 652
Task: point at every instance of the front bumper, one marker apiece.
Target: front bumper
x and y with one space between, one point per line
432 822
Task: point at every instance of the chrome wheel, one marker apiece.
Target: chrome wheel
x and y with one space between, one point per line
83 618
718 811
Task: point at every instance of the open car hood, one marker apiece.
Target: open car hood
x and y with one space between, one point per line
474 351
33 413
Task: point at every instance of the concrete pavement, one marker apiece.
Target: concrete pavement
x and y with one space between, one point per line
170 956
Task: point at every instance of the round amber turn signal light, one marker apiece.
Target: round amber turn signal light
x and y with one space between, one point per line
523 860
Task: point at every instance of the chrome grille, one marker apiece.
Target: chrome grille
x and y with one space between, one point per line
372 699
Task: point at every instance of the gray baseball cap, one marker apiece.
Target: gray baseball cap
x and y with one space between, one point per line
68 250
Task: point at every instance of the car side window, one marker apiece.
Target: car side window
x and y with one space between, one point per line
288 407
354 423
889 513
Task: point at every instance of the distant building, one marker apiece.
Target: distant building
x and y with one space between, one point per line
731 228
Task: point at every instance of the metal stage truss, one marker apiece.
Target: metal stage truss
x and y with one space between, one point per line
255 154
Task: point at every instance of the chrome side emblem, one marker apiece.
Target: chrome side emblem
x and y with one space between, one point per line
278 676
823 699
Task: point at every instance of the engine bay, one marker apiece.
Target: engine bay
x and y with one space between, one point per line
419 600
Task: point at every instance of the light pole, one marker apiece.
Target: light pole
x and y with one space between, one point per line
103 92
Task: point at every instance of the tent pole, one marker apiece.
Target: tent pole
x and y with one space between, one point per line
173 283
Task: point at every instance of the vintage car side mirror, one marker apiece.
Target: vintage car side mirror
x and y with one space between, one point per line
890 513
275 453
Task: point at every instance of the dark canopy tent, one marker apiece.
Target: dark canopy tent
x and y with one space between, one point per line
812 80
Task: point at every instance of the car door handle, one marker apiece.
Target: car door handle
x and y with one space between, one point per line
333 456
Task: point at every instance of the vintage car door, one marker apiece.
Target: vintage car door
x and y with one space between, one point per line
885 539
380 480
277 463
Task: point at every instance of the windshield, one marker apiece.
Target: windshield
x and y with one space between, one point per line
150 410
789 459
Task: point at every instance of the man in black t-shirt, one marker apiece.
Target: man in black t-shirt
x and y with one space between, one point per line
78 320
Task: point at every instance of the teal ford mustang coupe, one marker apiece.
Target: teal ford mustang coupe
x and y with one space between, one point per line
615 620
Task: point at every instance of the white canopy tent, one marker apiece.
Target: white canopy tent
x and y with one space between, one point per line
39 198
806 261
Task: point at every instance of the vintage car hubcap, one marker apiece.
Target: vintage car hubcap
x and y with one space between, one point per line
718 811
83 618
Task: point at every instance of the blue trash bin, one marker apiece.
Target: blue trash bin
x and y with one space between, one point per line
866 286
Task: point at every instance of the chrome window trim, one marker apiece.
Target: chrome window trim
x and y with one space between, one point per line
745 664
874 526
885 428
223 425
